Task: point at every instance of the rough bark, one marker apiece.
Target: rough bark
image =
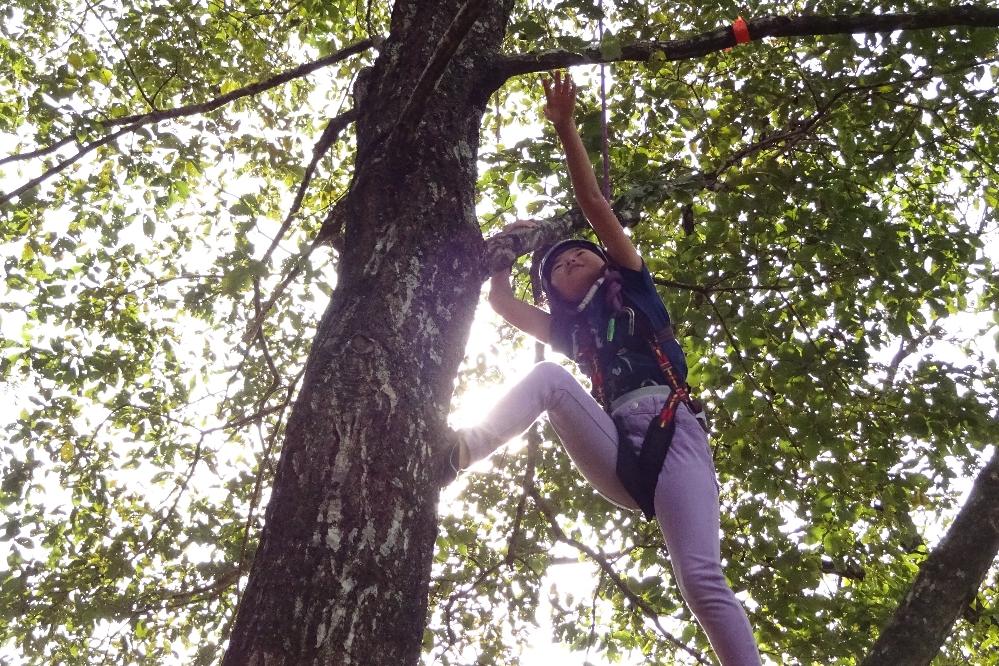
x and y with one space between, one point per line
342 571
947 581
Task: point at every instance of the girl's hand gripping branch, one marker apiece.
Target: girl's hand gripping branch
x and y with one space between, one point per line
528 318
560 98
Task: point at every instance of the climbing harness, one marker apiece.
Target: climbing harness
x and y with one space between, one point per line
595 352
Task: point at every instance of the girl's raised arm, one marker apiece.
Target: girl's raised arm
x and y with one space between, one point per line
560 96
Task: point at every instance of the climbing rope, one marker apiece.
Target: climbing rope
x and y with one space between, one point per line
604 151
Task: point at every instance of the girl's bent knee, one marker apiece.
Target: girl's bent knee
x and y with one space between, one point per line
551 372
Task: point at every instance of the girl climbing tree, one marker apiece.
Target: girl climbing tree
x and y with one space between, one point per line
175 173
637 439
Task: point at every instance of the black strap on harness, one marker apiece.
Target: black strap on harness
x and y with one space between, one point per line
639 472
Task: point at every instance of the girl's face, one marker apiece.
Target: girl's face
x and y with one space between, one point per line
574 272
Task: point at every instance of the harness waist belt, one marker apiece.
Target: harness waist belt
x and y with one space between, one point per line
657 389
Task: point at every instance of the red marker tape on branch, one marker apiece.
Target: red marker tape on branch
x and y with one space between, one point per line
741 31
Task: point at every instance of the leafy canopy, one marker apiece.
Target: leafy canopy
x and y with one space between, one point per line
841 190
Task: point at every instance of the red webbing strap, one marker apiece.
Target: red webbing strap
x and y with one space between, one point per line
678 391
740 29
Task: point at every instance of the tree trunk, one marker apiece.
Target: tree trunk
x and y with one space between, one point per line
947 581
343 567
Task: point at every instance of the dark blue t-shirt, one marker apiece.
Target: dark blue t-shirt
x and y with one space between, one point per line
639 292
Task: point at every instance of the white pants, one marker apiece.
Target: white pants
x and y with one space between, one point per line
686 499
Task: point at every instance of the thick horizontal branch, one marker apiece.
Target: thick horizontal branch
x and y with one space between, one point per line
771 26
504 248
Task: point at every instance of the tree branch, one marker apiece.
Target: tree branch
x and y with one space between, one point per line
133 122
328 137
38 152
770 26
258 321
640 603
128 63
263 468
947 580
503 249
246 91
69 161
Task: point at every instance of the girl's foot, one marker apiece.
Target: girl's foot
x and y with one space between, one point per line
455 458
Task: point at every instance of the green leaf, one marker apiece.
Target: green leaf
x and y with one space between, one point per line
610 46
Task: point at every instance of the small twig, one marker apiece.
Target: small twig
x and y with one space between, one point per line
811 341
533 436
258 320
906 348
262 341
748 373
328 137
160 87
258 481
608 570
128 64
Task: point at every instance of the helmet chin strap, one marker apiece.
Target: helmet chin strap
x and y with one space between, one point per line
589 295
